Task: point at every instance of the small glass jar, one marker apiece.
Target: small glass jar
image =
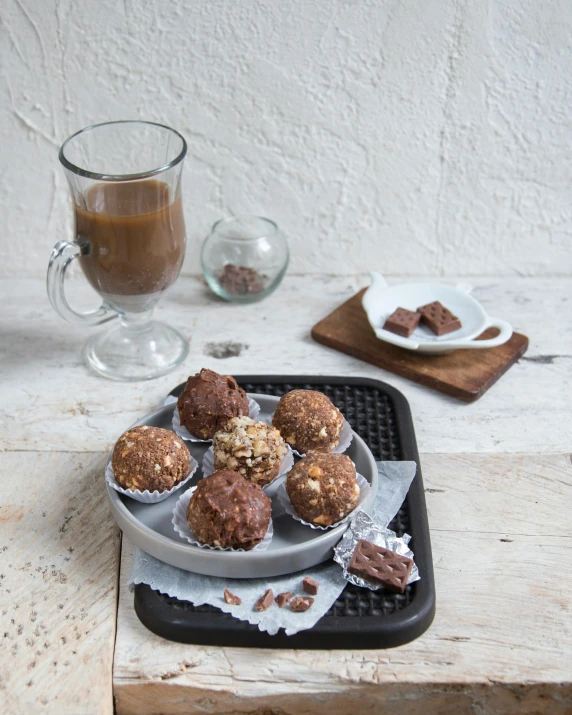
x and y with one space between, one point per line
245 258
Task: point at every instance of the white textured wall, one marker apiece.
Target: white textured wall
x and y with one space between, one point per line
428 136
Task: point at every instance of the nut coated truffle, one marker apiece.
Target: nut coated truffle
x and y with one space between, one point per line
308 421
228 511
251 448
323 488
208 401
150 458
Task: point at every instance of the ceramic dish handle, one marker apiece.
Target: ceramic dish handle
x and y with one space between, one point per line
504 335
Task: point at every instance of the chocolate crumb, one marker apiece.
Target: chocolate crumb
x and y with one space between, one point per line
241 280
310 586
301 603
283 598
265 601
229 597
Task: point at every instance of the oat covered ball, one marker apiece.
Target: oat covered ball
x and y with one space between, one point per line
251 448
150 458
308 421
208 401
323 488
228 511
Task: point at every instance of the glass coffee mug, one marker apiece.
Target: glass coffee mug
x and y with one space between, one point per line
125 180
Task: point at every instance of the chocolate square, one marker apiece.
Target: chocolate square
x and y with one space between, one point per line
402 322
438 318
380 566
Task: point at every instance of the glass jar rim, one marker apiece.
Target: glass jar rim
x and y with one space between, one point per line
230 220
121 177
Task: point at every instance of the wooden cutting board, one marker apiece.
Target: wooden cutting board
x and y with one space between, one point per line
464 374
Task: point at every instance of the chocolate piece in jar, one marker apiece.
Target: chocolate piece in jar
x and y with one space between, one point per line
323 488
254 449
308 421
380 566
402 322
241 280
228 511
209 401
150 458
301 603
438 318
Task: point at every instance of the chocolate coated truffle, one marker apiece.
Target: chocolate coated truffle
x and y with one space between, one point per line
323 488
228 511
308 420
208 401
150 458
251 448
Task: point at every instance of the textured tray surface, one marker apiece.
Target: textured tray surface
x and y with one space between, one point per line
372 619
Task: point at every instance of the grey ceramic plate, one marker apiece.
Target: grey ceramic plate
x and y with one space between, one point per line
294 546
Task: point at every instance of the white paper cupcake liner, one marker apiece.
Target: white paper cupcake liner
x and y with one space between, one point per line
284 499
182 527
346 436
182 431
146 497
286 464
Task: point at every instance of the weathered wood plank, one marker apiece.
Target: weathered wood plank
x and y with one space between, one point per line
58 584
51 402
501 641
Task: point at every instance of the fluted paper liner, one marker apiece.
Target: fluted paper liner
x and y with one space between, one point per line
146 497
284 499
182 527
183 432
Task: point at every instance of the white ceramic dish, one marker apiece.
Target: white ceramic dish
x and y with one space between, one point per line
381 300
293 547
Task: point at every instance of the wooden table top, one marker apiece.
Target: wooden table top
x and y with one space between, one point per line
498 479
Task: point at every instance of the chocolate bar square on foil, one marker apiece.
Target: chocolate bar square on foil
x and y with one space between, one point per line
380 566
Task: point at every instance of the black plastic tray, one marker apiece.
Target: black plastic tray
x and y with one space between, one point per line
360 618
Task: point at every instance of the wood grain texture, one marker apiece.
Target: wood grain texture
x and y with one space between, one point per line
58 584
501 641
50 401
464 374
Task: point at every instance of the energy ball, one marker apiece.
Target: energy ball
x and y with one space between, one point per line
323 488
208 401
308 421
251 448
150 458
228 511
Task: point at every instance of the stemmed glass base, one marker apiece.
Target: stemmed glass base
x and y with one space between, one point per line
135 348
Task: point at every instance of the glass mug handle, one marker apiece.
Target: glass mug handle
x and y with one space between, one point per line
63 253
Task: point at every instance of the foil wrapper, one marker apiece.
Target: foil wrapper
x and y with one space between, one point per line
364 527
